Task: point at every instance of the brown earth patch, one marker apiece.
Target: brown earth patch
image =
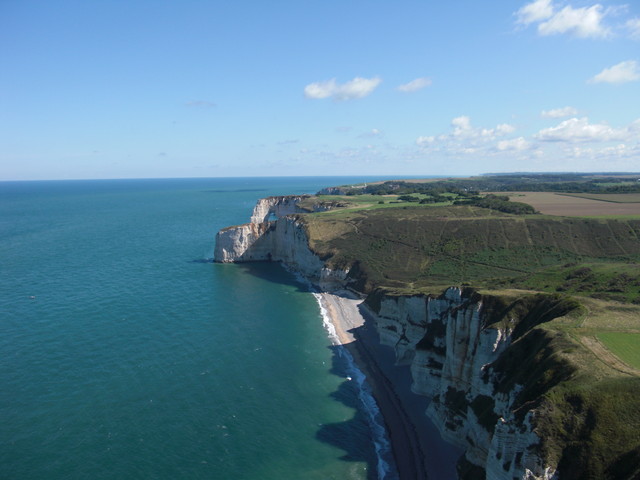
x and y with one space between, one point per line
609 197
555 204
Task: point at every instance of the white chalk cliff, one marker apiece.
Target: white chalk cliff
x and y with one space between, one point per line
449 343
450 350
283 240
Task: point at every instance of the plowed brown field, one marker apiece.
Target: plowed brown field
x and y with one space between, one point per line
556 204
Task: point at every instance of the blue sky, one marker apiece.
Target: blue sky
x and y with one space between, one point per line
133 89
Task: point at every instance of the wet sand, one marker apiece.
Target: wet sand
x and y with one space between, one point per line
417 447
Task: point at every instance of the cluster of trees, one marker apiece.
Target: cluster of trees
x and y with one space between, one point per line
498 202
432 198
569 183
406 188
493 202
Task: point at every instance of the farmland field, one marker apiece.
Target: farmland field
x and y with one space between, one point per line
573 206
609 197
625 345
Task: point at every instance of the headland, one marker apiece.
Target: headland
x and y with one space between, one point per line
506 317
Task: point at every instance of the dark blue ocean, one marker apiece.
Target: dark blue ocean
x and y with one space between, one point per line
124 353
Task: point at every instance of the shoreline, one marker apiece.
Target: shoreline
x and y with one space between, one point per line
415 442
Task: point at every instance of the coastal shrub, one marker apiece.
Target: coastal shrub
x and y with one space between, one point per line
498 202
565 183
409 198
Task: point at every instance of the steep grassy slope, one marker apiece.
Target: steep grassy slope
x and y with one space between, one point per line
415 247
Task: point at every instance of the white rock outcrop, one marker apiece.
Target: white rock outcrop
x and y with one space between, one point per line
449 350
272 208
283 240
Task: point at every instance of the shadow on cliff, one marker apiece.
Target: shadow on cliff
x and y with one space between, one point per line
274 272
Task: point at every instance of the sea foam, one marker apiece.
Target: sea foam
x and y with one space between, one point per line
382 445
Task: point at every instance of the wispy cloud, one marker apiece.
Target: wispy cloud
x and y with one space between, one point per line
415 85
535 12
623 72
465 138
580 130
462 128
574 143
583 22
515 144
580 22
559 112
633 27
357 88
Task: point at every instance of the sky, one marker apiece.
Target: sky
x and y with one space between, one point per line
168 88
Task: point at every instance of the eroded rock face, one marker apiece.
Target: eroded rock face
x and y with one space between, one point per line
234 244
450 349
282 240
254 242
275 207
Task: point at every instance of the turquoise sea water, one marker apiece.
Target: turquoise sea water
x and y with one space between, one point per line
125 354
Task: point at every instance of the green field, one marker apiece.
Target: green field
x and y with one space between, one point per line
624 345
607 280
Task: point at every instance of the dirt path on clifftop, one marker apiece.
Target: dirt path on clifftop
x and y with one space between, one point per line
606 356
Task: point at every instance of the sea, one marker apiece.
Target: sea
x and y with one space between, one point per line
126 353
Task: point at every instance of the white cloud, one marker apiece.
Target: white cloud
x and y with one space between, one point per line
415 85
504 129
425 140
580 130
623 72
465 138
357 88
573 144
515 144
582 22
633 26
559 112
462 128
622 156
535 12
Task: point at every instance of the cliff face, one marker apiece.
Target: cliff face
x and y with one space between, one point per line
454 345
451 343
283 240
276 207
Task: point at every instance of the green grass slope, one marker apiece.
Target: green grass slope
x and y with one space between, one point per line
418 247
